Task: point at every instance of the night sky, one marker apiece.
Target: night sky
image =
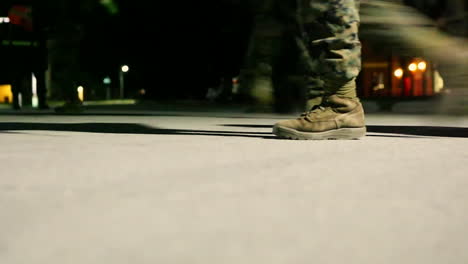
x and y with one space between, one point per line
183 46
173 48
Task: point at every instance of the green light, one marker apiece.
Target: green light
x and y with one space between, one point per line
111 6
107 80
20 43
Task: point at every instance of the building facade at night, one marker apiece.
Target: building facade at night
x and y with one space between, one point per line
23 52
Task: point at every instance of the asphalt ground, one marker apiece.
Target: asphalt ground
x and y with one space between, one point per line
217 187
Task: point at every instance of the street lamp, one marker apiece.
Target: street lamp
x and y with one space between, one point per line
124 69
107 81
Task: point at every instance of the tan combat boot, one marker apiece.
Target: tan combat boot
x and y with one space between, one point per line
336 118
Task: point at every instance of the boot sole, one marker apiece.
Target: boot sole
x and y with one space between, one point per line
336 134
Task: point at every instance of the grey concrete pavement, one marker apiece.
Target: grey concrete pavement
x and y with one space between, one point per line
159 188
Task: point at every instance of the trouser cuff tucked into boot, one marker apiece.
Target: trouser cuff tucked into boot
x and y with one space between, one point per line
346 90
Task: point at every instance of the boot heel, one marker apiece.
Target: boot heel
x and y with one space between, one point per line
351 133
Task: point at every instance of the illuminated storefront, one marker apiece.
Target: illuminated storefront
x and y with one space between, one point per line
6 96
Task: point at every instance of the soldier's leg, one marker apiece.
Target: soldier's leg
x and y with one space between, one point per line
330 35
288 77
262 55
290 13
331 46
273 57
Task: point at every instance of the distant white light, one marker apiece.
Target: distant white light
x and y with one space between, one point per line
399 73
35 99
4 20
34 84
107 80
80 91
422 66
413 67
125 68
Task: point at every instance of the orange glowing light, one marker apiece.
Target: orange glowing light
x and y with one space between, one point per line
413 67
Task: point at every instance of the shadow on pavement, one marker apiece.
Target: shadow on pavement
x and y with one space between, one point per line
122 128
427 131
166 113
130 128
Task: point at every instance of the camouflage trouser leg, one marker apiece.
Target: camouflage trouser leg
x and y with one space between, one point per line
263 53
329 43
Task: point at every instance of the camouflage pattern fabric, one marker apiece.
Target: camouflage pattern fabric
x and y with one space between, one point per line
329 43
315 39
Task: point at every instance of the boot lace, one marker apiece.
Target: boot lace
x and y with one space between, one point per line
314 110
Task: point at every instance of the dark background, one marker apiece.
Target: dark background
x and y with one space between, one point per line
173 48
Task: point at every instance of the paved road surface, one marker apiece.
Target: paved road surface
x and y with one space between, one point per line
170 189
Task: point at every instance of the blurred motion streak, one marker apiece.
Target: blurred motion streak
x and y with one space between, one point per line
430 52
